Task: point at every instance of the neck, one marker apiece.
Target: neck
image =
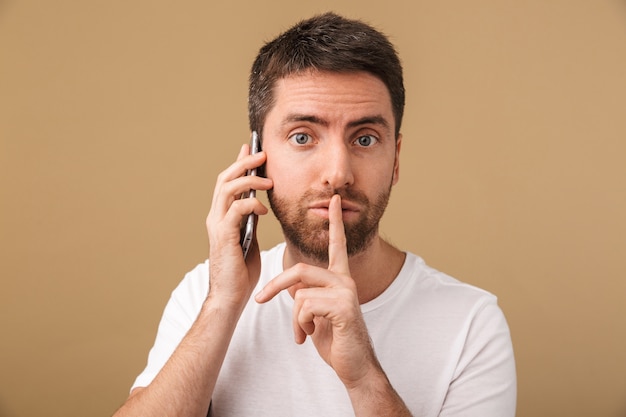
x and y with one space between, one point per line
373 269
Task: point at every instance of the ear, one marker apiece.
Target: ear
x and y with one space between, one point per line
396 163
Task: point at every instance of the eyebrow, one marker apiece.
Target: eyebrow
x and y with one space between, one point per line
294 118
370 120
367 120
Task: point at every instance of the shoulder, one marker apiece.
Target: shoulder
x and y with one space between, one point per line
439 286
437 299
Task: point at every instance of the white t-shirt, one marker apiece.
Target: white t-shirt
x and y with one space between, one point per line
444 345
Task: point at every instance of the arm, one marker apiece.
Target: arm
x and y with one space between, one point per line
185 384
327 309
484 381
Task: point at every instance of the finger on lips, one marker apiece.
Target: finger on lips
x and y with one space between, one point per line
309 275
337 251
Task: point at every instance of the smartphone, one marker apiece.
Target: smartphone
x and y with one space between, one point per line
247 227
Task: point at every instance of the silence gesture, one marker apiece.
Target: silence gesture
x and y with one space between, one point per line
326 306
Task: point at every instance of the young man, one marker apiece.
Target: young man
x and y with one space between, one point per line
377 332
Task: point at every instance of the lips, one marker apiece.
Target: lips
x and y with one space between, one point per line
348 208
345 205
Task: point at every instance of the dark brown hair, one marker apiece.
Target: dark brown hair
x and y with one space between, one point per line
326 42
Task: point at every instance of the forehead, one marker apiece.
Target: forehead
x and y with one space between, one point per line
333 95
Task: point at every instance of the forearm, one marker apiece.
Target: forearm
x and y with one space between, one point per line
185 384
376 397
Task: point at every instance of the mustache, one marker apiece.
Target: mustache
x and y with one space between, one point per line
345 194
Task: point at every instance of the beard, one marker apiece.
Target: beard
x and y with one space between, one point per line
310 236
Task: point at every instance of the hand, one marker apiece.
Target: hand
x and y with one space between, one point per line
232 278
326 307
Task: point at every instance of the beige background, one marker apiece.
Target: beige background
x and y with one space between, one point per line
116 116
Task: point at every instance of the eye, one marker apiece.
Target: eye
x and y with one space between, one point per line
300 138
366 140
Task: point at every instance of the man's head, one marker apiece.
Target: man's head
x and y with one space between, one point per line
325 43
327 98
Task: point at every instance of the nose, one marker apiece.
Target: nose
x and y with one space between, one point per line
336 165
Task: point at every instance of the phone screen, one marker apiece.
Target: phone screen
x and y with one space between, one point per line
247 229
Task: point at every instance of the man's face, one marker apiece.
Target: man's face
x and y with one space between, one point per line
330 133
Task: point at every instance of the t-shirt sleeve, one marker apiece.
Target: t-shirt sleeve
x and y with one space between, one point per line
180 313
484 382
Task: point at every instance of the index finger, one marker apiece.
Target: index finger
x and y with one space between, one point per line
337 247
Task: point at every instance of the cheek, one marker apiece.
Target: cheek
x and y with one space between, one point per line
286 176
373 176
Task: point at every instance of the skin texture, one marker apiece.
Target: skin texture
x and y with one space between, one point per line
322 121
331 157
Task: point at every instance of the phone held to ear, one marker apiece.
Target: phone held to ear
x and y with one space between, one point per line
247 227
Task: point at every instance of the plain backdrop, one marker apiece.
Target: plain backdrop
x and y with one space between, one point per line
116 117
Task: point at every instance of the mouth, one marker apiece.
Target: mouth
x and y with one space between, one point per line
348 209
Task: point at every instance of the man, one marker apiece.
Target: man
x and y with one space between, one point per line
377 332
